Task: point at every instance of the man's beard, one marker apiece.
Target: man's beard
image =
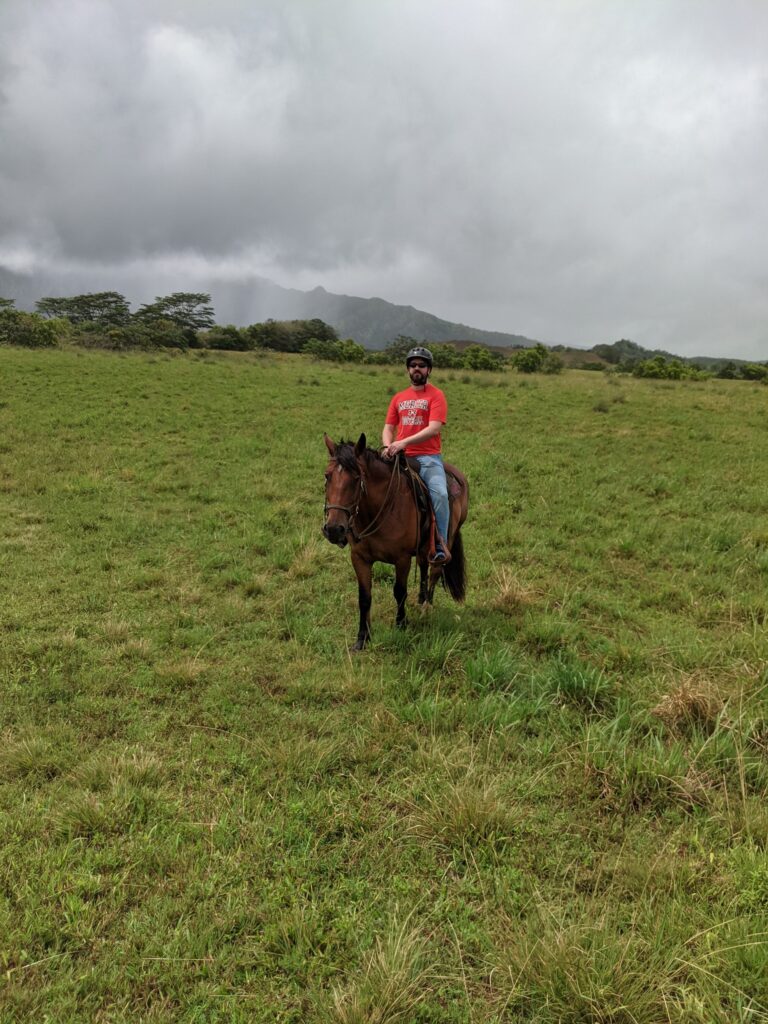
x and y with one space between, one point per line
417 377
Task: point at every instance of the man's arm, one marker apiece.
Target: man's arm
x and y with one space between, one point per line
393 447
388 434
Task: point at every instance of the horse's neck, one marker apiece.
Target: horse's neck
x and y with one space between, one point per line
380 487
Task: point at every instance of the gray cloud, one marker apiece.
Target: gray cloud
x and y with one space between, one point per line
577 171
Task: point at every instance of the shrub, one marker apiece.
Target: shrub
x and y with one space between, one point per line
347 351
228 339
116 339
478 357
30 329
755 371
538 359
138 335
289 335
660 368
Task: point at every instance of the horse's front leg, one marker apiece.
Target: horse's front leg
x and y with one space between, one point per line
363 573
402 568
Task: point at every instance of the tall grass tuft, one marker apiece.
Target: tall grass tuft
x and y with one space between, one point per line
395 981
31 756
462 813
690 706
509 595
613 967
632 774
437 652
579 684
491 668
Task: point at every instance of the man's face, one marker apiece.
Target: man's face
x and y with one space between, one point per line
418 371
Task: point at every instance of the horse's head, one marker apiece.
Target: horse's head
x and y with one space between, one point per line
344 486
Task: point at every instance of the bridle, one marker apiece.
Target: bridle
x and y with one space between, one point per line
352 512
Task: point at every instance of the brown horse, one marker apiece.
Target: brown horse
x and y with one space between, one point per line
371 503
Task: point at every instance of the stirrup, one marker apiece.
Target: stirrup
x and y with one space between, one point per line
440 557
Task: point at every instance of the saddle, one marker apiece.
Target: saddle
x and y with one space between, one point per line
427 528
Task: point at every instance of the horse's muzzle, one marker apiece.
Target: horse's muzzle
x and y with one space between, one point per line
336 535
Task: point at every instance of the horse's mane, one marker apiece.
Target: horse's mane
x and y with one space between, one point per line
346 458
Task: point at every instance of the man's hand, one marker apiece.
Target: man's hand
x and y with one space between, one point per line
392 450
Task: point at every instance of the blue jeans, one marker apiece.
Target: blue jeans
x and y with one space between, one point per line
432 472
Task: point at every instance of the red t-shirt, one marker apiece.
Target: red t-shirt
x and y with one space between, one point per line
411 410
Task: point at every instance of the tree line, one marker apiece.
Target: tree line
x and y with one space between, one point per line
185 320
626 356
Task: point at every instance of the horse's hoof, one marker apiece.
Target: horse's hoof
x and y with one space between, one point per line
357 648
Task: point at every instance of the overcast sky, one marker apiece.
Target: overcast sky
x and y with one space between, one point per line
573 170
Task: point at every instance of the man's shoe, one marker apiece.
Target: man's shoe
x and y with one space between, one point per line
440 557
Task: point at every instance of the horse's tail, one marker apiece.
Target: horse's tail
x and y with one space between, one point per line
455 572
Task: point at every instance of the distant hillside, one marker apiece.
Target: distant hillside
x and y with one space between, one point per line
376 322
371 322
627 352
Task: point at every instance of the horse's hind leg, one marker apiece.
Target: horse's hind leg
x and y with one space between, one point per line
435 572
402 568
423 592
363 573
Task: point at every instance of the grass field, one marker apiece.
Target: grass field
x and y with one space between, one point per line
547 804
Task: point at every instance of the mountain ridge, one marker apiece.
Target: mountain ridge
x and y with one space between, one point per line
372 322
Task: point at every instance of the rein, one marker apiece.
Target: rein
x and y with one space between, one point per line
377 520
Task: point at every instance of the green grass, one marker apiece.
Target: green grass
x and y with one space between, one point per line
548 804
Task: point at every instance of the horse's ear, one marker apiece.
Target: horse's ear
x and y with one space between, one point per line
360 446
329 445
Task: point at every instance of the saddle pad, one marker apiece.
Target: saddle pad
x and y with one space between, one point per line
455 486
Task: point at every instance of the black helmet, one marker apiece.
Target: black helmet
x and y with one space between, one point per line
419 353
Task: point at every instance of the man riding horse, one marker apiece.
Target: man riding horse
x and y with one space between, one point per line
413 424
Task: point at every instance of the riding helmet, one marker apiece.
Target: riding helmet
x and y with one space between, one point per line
419 353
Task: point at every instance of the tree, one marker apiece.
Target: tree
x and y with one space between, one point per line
621 351
349 351
552 364
537 360
529 360
290 335
446 356
189 311
397 350
728 371
274 335
315 328
755 371
108 309
478 357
